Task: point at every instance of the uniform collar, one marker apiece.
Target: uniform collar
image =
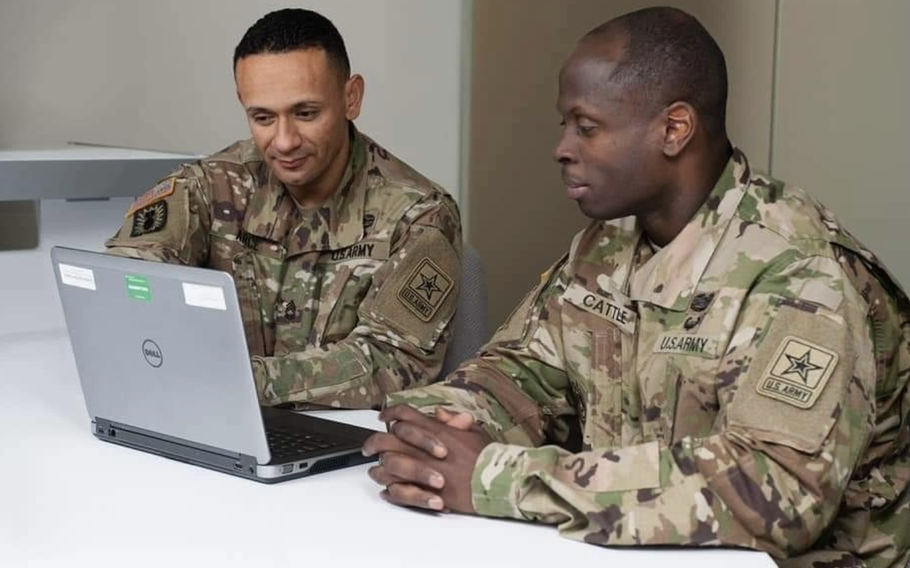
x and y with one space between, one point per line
269 210
603 257
669 277
346 208
272 213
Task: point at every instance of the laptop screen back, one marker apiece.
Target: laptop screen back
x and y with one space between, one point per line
161 347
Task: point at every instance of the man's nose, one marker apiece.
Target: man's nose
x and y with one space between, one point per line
287 138
563 152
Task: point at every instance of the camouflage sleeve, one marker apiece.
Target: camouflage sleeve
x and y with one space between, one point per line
517 388
403 331
168 223
772 474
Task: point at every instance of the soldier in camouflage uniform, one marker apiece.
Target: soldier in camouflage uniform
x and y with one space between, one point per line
716 362
346 260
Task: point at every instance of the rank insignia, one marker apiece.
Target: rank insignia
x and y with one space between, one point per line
149 219
701 301
288 310
425 289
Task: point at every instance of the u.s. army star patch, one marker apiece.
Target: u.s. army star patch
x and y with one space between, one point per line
150 219
425 289
798 372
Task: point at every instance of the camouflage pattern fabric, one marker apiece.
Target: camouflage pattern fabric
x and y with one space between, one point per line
341 304
746 385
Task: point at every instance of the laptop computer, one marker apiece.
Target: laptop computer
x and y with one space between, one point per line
164 368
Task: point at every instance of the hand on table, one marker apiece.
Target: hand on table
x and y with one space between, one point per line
424 461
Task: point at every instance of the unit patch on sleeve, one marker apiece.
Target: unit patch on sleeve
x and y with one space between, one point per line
798 372
425 289
149 219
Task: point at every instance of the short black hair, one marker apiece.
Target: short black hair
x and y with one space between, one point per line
293 29
669 56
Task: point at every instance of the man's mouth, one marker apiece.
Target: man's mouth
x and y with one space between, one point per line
575 189
290 164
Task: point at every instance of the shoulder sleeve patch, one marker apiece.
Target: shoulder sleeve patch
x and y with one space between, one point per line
797 379
425 289
798 372
417 297
150 219
167 223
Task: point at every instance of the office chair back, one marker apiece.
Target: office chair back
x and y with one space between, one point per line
470 328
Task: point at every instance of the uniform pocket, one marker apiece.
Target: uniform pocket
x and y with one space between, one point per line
333 303
248 296
603 428
599 331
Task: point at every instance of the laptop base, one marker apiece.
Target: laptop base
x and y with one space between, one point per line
236 464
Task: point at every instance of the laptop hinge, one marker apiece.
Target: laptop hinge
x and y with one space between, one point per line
172 447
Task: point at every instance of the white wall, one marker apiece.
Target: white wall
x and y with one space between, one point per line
158 74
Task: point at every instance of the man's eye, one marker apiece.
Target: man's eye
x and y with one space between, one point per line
262 119
307 114
584 130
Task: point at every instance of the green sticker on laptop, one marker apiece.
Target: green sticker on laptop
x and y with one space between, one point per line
137 288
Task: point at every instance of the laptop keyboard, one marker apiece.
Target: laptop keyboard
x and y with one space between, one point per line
285 444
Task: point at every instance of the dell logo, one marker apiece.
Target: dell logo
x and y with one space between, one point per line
152 353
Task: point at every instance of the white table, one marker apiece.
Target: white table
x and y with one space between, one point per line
28 293
69 500
82 171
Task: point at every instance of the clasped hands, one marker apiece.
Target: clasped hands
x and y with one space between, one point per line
425 461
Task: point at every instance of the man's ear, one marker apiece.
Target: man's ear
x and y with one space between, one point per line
680 122
353 97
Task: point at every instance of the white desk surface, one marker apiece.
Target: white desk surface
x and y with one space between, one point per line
67 499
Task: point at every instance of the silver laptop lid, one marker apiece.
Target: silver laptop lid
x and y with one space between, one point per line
161 347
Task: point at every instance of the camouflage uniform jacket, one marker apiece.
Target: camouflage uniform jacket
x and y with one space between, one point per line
746 385
340 303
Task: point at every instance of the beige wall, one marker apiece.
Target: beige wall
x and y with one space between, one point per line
157 73
520 219
841 126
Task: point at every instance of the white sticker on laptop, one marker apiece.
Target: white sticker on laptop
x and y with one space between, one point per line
76 276
211 297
